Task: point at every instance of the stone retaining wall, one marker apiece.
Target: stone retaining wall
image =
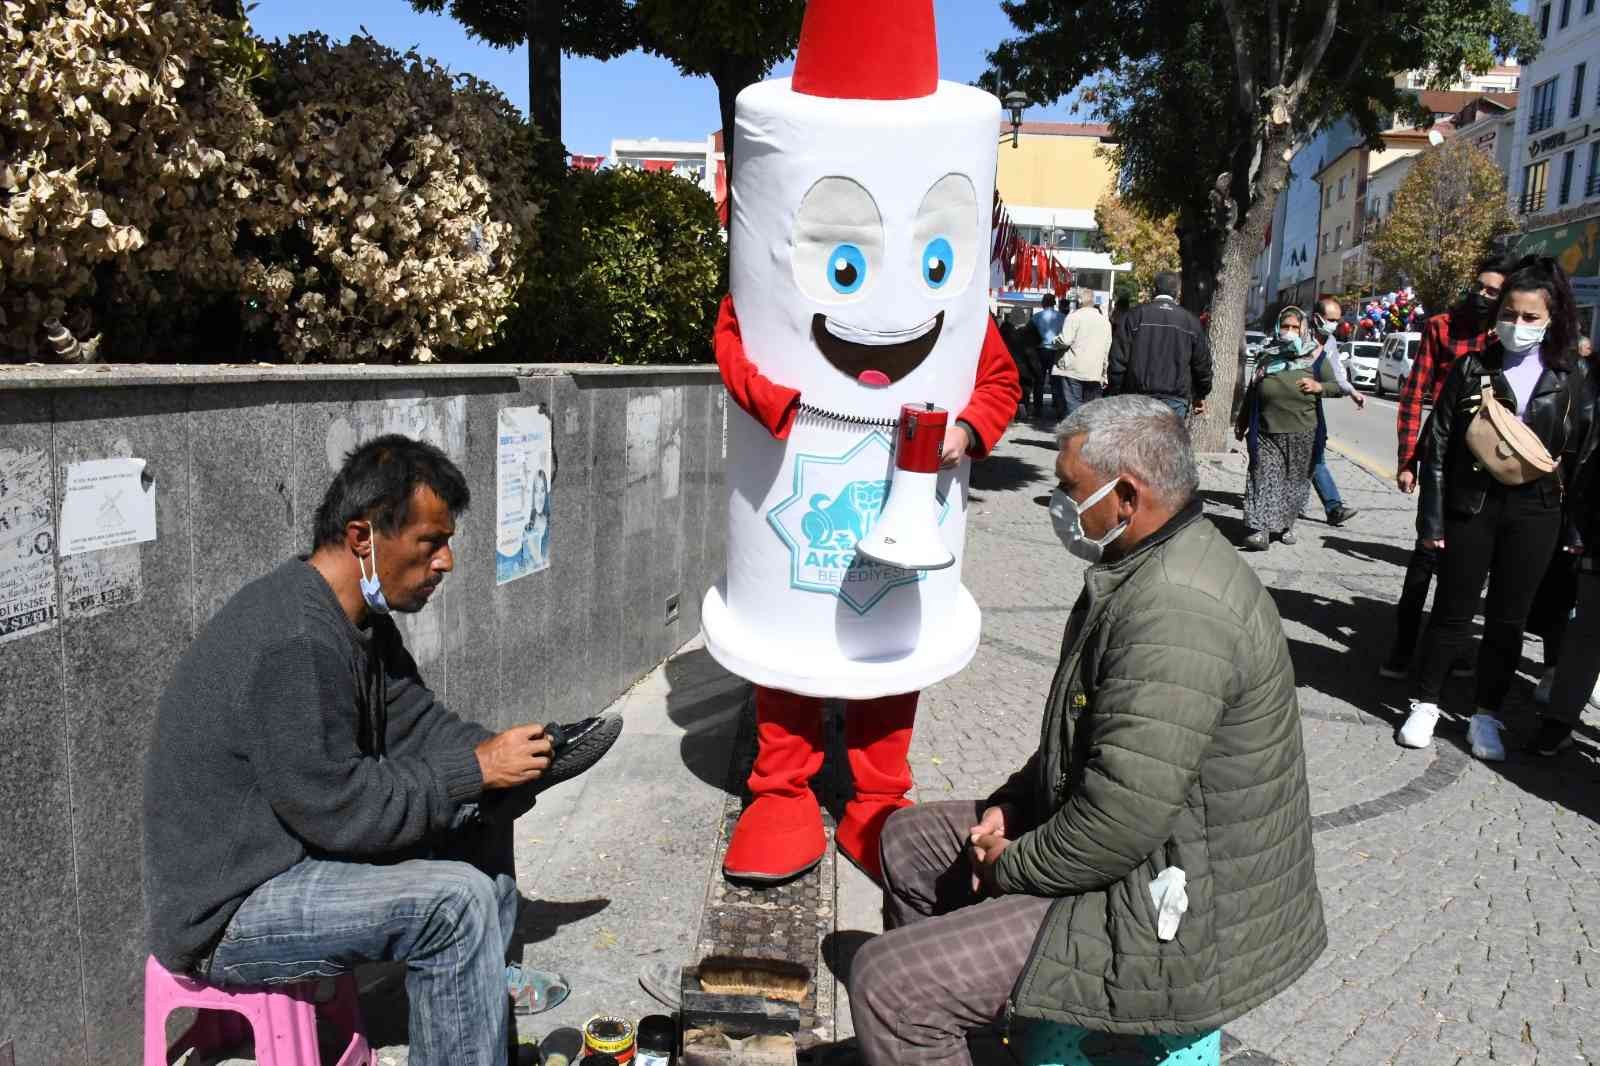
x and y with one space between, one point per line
240 458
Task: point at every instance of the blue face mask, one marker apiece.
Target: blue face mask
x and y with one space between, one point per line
371 587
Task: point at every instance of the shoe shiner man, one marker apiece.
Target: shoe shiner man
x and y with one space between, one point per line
1170 765
860 231
310 805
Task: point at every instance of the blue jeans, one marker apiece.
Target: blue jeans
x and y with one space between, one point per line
1069 394
1179 405
451 922
1327 491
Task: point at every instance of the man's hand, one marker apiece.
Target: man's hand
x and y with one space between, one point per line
1360 400
1434 545
1407 481
1199 408
1310 387
996 822
515 757
956 442
986 852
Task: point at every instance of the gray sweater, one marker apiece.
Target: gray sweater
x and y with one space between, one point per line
280 736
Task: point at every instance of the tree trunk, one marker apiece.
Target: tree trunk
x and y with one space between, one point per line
1226 332
1199 257
727 93
544 67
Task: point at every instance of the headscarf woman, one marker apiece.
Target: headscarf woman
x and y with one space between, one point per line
1283 422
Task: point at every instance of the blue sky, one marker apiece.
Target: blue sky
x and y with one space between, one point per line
633 96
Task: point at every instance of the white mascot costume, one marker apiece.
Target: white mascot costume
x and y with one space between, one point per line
857 321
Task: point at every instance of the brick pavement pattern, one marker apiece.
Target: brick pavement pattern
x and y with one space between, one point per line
1463 898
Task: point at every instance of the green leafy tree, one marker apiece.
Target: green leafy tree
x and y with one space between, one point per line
1447 212
732 42
631 273
602 29
1131 236
1209 100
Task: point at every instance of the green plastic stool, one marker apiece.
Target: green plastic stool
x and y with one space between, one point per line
1066 1045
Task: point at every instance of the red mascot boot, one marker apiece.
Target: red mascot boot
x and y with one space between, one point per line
877 736
780 833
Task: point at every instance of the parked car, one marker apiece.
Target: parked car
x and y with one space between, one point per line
1394 364
1361 362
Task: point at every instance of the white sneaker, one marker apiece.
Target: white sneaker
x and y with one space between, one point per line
1547 684
1418 730
1483 733
1594 697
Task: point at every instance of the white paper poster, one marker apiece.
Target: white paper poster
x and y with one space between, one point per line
27 546
107 504
522 512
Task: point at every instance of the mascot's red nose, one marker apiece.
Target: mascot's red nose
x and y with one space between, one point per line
873 379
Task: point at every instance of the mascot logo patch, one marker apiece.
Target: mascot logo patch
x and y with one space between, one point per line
835 503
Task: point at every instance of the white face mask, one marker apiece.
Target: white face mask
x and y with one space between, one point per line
1517 337
1066 514
371 588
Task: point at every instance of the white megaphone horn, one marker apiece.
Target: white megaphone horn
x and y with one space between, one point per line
906 534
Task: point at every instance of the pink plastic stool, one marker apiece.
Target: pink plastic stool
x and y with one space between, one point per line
282 1017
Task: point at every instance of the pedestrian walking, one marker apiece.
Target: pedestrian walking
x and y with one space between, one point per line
1079 374
1160 349
1488 523
1171 754
1465 329
1047 324
1325 326
1282 419
1574 681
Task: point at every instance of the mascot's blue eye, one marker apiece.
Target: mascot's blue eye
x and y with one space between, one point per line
938 259
847 269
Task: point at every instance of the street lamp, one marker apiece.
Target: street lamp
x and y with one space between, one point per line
1016 102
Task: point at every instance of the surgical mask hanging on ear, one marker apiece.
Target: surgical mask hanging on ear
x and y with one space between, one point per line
371 588
1066 515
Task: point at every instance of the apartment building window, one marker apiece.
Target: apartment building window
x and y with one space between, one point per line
1594 170
1338 236
1327 196
1566 13
1542 115
1388 204
1342 181
1578 73
1327 242
1533 186
1544 22
1568 161
1588 7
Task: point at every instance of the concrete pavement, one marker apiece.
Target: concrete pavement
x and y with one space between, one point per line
1463 898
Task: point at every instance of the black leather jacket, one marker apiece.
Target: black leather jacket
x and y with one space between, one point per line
1583 486
1452 480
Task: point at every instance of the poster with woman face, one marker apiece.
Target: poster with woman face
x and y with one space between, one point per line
522 506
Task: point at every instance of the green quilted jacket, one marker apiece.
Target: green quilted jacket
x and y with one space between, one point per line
1172 738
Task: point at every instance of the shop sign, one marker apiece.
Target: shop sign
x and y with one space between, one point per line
1560 139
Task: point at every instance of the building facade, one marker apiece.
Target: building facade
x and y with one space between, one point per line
1051 182
697 161
1555 187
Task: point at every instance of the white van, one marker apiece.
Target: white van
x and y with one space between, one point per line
1394 365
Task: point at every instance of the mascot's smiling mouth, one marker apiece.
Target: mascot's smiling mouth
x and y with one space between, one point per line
872 358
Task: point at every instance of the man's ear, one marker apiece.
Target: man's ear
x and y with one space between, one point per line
358 538
1128 492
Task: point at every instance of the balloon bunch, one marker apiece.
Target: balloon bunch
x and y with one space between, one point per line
1399 310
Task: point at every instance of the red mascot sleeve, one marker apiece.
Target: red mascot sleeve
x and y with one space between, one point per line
773 405
995 395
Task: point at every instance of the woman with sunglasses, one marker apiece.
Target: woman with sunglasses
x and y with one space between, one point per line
1482 527
1287 434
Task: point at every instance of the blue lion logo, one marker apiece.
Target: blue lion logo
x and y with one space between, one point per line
845 520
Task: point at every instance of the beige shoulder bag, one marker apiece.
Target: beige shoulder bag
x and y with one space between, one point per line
1505 445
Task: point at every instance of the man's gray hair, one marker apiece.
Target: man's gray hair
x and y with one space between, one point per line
1140 436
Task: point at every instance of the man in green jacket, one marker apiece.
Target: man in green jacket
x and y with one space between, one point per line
1171 739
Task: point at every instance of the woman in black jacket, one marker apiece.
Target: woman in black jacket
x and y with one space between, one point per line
1485 529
